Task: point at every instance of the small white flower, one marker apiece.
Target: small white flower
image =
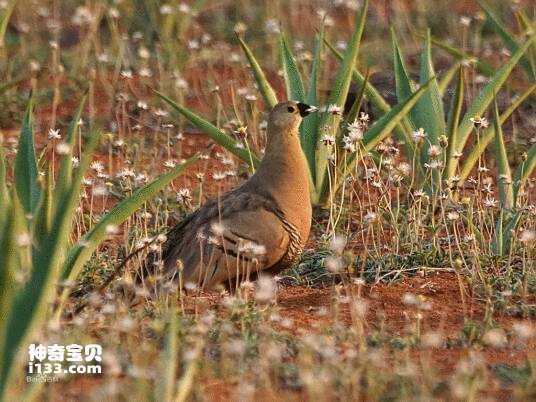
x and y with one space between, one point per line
97 166
184 8
328 140
527 235
453 215
479 122
465 20
419 193
432 340
370 217
143 52
349 146
334 109
272 26
35 66
103 58
125 173
112 229
54 134
166 9
184 196
434 151
419 135
219 176
24 239
266 289
495 338
114 13
355 131
523 330
193 44
160 113
258 249
145 72
433 165
100 191
62 148
82 16
337 244
217 228
240 27
333 264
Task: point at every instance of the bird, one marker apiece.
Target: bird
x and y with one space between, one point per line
262 226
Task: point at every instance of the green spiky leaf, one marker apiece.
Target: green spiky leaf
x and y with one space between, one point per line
26 170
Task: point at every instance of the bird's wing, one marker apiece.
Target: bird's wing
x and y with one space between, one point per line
229 238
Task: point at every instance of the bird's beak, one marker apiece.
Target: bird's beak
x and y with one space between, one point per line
306 109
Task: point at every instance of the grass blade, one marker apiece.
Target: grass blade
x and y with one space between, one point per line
166 385
404 85
497 242
374 96
29 305
482 67
26 170
383 127
488 135
502 237
8 264
10 254
455 112
524 170
65 173
309 126
266 89
356 106
504 176
6 15
43 220
445 81
4 192
212 131
508 39
428 112
291 72
339 94
481 102
83 249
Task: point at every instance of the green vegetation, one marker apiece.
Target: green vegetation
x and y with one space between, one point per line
420 280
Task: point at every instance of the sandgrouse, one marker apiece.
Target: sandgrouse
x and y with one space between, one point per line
260 226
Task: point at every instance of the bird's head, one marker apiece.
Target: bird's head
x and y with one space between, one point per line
288 115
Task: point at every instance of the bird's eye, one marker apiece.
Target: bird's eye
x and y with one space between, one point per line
291 109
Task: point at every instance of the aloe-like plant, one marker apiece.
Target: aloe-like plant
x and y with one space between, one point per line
318 125
509 40
35 229
5 16
430 116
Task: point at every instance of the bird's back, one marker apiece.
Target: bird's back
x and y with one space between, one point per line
227 240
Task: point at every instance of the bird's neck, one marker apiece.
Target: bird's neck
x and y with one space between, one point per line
283 171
